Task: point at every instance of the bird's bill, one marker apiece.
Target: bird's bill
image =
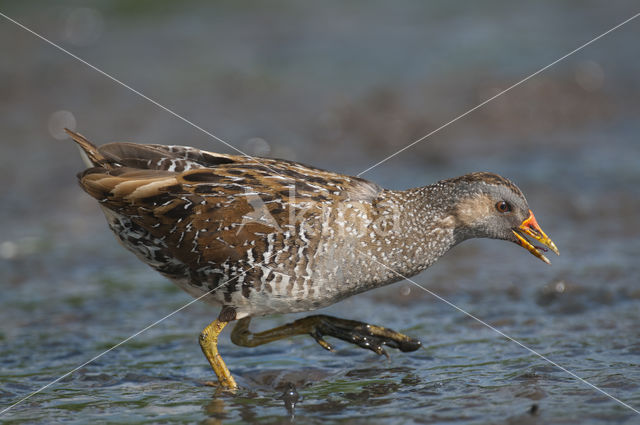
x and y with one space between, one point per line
530 228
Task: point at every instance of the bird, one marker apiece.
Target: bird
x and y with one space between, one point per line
261 236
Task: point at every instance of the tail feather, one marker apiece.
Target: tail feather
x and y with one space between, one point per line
89 152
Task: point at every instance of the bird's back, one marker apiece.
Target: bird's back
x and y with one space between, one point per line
202 218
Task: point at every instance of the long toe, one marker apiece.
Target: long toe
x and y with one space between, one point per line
362 334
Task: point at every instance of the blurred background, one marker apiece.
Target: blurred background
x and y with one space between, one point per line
340 86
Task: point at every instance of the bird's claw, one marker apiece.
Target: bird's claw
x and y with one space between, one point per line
361 334
324 344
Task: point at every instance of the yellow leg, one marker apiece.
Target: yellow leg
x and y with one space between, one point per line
209 345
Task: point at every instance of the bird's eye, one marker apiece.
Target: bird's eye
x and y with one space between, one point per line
503 206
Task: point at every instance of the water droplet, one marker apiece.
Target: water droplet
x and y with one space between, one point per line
589 75
60 120
8 250
83 26
257 146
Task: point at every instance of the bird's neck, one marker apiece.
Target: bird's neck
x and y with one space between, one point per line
417 226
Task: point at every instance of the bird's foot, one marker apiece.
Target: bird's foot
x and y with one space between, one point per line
367 336
362 334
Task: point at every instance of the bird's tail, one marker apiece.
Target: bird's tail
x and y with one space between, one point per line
90 154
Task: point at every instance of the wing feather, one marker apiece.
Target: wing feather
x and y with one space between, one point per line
208 207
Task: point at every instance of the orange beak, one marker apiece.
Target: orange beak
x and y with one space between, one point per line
531 228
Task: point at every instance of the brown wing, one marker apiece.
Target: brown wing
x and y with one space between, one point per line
201 168
211 207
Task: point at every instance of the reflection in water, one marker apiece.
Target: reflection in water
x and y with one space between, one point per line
290 397
215 411
252 405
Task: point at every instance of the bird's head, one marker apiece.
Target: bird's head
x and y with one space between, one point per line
490 206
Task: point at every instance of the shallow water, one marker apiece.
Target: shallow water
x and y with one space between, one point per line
68 291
